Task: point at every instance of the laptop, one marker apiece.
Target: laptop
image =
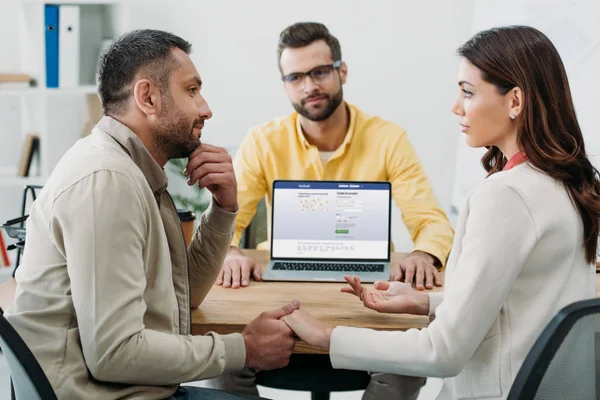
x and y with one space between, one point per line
323 230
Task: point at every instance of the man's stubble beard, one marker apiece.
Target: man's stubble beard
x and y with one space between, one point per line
333 102
174 136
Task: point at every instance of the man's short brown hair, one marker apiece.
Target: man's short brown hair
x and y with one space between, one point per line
304 33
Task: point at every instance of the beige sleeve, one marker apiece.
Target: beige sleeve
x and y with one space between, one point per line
208 249
102 220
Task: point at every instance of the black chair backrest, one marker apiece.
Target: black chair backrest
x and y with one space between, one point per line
28 378
562 362
256 232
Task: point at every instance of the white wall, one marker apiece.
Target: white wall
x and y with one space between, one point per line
9 44
400 55
401 58
10 116
573 28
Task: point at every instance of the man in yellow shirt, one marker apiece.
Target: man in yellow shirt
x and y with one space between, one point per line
328 139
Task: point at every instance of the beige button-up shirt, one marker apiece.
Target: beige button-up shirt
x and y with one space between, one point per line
106 285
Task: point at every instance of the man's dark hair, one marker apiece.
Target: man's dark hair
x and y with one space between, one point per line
144 50
304 33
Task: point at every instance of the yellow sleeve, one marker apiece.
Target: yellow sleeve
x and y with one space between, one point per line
427 224
251 183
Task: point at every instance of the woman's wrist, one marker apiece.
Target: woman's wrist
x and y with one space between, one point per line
328 333
421 304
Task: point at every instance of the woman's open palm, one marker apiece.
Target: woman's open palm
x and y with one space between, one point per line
385 297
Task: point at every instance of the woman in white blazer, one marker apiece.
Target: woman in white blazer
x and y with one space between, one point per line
526 239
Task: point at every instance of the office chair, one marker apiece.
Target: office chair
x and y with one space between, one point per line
313 373
28 380
564 361
15 228
256 232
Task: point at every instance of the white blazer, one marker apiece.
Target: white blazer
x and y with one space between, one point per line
517 259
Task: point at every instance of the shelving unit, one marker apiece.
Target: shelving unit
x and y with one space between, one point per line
83 89
17 91
20 181
56 115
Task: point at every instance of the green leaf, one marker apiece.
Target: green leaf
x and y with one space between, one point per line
198 200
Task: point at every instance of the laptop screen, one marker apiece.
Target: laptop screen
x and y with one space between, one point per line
331 220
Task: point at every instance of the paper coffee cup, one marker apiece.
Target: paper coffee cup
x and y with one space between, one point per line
187 218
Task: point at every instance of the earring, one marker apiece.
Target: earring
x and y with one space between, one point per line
512 115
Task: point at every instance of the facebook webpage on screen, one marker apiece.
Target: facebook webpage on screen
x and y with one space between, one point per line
331 220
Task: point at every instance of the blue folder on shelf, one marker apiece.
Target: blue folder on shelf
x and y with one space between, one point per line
51 36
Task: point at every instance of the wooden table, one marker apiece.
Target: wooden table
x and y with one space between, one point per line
226 310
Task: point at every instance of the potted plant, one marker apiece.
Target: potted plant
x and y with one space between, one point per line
186 197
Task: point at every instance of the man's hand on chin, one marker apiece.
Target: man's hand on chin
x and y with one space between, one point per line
212 168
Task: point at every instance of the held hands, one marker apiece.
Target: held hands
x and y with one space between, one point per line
211 167
269 341
237 270
420 267
385 297
270 337
389 297
309 329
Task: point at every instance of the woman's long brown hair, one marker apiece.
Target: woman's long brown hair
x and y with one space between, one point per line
548 131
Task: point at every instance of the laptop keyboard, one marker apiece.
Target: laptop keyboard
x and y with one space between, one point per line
346 267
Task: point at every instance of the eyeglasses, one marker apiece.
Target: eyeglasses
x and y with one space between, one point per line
320 74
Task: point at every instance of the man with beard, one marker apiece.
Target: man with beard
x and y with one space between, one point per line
329 139
107 285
